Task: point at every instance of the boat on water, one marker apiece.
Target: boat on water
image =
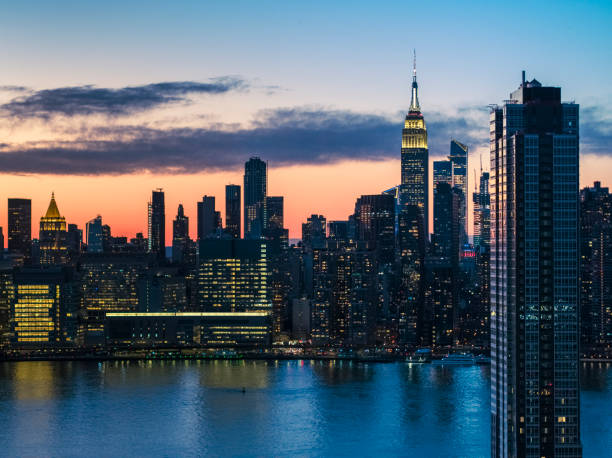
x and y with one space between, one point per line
421 356
482 360
455 359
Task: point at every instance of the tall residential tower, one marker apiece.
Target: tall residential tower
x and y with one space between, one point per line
535 395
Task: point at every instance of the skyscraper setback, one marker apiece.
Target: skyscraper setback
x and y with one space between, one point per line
535 397
414 188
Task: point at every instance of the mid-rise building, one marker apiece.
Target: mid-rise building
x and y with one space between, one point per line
375 224
44 308
209 219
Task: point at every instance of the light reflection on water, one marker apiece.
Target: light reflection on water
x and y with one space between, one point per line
240 408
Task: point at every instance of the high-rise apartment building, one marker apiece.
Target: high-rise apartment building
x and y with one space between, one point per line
157 225
255 192
458 158
535 396
232 210
19 230
596 267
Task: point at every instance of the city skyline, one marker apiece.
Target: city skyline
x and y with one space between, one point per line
265 100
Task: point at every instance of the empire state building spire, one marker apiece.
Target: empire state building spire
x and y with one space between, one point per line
414 101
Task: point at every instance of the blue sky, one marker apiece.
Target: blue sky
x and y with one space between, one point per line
354 55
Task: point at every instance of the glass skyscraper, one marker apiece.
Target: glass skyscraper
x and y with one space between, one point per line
255 192
534 275
19 231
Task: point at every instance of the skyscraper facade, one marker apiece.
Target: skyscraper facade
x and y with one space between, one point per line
458 158
19 230
596 267
232 210
255 192
375 224
180 235
208 217
157 224
94 238
53 236
414 188
534 275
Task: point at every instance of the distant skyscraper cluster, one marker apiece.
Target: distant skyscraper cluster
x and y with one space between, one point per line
533 283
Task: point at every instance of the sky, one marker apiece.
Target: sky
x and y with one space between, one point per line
101 102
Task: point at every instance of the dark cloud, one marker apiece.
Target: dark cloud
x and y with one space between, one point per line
88 100
596 130
283 136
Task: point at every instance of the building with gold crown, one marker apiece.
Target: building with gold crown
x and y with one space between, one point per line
53 237
414 188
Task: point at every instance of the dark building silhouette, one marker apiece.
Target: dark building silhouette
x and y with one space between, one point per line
232 210
208 217
180 235
255 192
19 230
74 241
375 224
596 267
157 225
273 212
338 230
1 243
535 392
314 231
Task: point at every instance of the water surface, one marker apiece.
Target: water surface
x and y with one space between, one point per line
223 408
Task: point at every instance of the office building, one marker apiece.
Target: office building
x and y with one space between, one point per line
442 173
108 283
209 219
233 276
94 236
273 212
458 158
535 389
203 329
19 227
232 210
375 224
180 235
255 192
414 188
157 225
44 307
53 236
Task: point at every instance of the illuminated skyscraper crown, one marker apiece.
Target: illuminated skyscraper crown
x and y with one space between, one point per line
414 101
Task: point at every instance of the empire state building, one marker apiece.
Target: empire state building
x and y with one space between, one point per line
415 160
